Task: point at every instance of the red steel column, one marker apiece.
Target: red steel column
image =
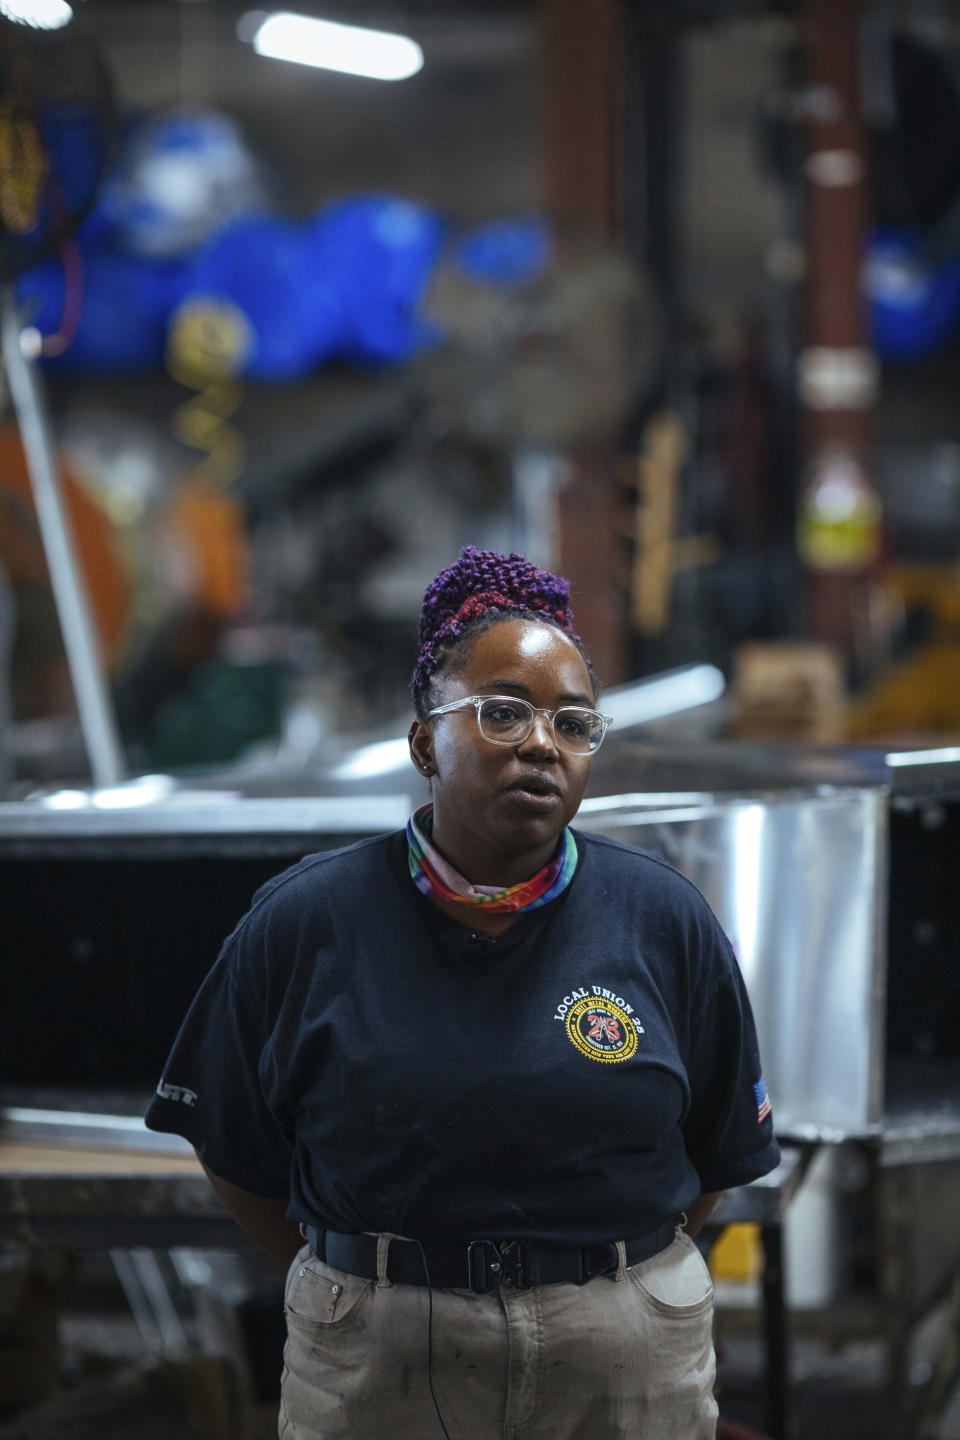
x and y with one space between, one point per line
837 370
582 132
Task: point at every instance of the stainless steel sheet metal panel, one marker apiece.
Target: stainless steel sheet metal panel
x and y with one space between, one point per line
797 882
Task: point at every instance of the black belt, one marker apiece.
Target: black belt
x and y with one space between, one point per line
483 1264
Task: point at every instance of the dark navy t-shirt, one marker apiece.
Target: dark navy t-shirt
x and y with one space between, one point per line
582 1078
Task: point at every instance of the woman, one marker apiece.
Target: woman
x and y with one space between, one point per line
493 1070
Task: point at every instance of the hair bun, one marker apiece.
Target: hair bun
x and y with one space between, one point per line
481 580
478 581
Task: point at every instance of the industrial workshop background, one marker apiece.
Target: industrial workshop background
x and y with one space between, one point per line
662 294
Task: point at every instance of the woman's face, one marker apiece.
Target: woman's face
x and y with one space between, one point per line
504 801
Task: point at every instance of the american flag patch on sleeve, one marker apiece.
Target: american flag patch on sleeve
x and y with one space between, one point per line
763 1100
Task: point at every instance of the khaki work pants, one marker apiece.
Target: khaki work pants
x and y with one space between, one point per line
623 1357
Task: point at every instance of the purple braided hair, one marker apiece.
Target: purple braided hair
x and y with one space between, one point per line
478 582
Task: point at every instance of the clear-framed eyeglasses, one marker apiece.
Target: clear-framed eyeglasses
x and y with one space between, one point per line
505 720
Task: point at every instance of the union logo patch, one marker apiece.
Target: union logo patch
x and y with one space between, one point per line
601 1030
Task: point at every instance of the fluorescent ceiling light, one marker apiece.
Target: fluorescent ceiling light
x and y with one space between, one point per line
42 14
663 695
66 800
144 790
349 49
381 758
947 756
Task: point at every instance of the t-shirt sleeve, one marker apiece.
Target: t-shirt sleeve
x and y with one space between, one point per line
212 1091
728 1131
